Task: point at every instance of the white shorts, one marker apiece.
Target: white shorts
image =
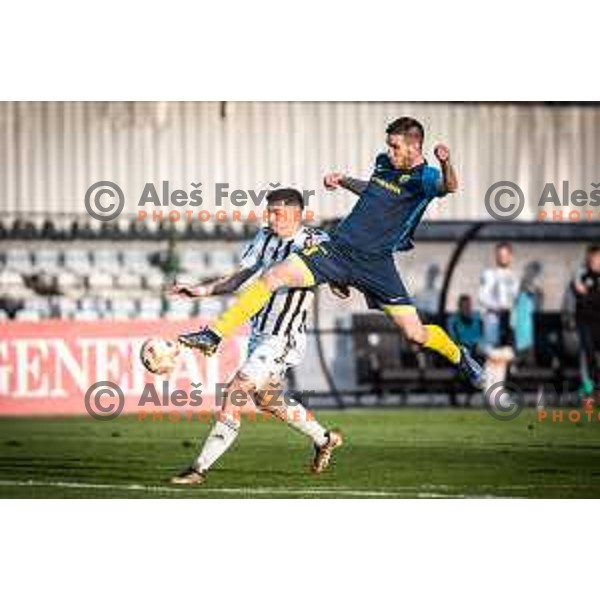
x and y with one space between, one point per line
270 356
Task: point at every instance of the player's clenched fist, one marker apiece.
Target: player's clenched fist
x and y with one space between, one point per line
442 153
332 181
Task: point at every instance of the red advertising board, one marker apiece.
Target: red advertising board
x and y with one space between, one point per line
47 367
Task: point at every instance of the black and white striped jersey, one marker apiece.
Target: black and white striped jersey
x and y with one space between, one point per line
287 310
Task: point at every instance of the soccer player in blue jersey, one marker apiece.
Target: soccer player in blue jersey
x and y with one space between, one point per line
360 251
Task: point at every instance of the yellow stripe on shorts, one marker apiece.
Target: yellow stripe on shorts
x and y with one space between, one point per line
399 309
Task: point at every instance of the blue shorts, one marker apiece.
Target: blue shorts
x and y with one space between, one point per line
377 278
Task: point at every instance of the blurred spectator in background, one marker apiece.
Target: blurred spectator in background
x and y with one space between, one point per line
169 260
528 301
10 305
428 298
465 325
586 287
497 294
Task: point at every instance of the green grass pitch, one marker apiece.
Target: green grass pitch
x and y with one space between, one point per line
388 453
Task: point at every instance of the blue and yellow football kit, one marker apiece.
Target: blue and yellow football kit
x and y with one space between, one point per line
382 222
360 254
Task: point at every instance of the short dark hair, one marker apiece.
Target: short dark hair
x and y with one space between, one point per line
289 197
506 245
404 125
592 249
464 298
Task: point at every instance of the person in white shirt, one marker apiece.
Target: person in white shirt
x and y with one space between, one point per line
497 293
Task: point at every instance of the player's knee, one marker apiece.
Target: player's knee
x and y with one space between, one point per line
264 401
277 277
241 381
260 400
239 391
268 394
282 275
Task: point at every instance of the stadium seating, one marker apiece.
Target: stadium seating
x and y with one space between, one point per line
19 260
28 315
100 282
150 308
65 307
121 308
78 262
75 269
41 305
70 268
47 260
193 260
68 282
82 271
107 260
385 362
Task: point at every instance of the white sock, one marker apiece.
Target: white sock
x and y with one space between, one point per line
297 417
219 439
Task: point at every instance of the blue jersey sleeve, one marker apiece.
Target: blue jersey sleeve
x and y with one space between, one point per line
433 183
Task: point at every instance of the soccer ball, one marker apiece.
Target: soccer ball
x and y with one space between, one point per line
159 356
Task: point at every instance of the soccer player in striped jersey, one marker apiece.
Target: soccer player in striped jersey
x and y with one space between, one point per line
277 340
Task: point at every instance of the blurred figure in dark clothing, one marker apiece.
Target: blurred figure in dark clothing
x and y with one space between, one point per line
586 287
465 325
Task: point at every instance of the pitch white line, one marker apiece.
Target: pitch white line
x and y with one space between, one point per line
261 491
423 491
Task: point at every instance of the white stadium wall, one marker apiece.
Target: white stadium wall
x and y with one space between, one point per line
51 152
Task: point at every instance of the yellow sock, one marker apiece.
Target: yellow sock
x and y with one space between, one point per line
439 340
248 303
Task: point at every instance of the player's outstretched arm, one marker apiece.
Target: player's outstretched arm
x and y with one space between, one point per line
449 177
332 181
213 287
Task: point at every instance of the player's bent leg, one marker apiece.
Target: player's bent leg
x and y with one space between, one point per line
252 299
406 318
271 398
434 337
439 341
221 436
288 273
